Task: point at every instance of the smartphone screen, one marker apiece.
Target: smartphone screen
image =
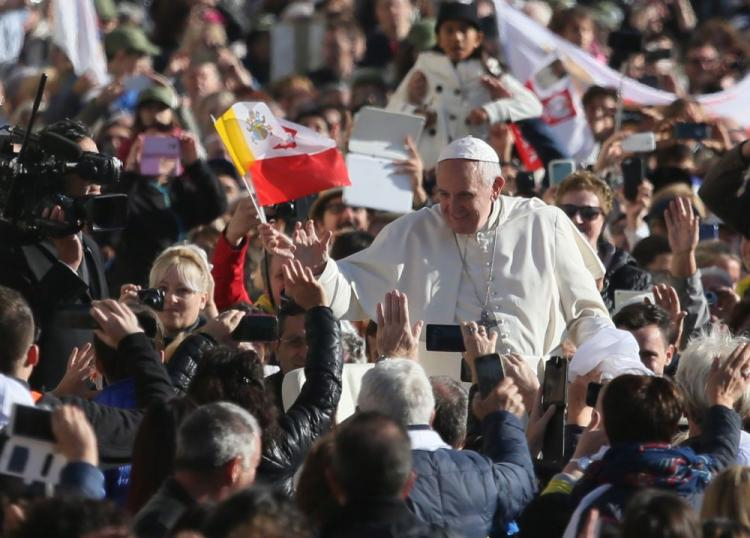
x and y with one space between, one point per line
692 131
489 373
555 386
708 232
559 169
592 393
444 338
257 328
160 156
633 173
33 422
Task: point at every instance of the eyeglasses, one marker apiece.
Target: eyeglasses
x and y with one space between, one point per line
587 212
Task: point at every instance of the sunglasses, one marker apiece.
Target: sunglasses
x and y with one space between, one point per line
587 212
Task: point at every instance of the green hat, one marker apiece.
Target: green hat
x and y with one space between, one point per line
158 94
106 9
422 35
129 38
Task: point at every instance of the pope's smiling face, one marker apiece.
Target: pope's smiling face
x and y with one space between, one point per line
465 198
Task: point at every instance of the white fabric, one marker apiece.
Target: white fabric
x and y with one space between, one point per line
469 148
615 350
12 34
427 440
453 91
351 383
543 281
76 32
527 47
743 452
12 392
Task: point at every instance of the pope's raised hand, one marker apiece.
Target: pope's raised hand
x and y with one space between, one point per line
309 249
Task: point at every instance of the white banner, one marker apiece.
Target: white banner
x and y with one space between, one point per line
530 47
75 31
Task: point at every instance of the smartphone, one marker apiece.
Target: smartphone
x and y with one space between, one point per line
444 338
625 42
639 143
708 232
691 131
649 80
559 169
32 422
489 373
555 392
656 55
592 393
633 116
525 184
161 155
257 328
76 317
633 173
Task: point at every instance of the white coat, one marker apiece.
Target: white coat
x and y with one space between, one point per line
454 91
543 284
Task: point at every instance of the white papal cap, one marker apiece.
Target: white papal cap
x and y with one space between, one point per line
470 148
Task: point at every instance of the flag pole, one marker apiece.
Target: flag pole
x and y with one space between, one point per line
254 199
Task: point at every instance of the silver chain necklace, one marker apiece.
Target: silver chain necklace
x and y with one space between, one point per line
486 319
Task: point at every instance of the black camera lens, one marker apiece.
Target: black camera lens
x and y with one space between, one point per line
152 297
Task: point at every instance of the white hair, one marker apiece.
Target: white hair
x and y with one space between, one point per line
695 365
400 389
487 171
215 434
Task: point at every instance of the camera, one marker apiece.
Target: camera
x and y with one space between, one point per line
33 180
152 297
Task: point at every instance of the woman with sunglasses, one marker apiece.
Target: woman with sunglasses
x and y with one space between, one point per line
587 200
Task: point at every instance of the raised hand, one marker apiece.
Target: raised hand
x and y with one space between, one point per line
220 327
477 342
80 369
116 321
396 336
728 380
414 168
243 220
682 232
301 285
666 297
275 241
311 250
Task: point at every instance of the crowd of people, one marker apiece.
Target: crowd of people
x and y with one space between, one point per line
521 354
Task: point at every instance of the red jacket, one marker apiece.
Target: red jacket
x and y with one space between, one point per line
229 273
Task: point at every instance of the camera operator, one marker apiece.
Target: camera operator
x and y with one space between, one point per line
56 272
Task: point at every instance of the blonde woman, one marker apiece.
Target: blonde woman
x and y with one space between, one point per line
728 496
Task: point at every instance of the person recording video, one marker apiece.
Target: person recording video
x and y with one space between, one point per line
53 272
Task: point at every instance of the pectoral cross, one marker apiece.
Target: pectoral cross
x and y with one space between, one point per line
487 320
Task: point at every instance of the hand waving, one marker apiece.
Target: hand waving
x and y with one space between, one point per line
116 321
301 285
396 336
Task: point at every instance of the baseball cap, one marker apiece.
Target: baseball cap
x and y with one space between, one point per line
457 10
129 38
158 94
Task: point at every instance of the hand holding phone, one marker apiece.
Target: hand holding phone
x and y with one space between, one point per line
633 174
489 373
555 392
160 156
559 169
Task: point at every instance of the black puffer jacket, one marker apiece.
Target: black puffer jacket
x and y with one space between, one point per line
311 414
184 362
622 273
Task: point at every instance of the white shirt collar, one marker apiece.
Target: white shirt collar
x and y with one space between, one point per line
426 439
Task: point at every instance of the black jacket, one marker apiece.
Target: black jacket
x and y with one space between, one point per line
162 511
725 192
376 518
48 285
184 362
116 428
159 216
311 414
622 273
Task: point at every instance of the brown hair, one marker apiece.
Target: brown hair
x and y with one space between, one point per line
640 409
727 494
584 180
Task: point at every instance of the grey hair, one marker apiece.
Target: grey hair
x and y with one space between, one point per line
695 365
215 434
487 171
400 389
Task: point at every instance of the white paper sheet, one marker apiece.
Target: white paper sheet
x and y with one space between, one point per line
375 184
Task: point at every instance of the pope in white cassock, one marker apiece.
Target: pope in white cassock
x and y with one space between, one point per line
513 264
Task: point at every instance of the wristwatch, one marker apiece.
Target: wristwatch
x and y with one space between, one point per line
582 463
